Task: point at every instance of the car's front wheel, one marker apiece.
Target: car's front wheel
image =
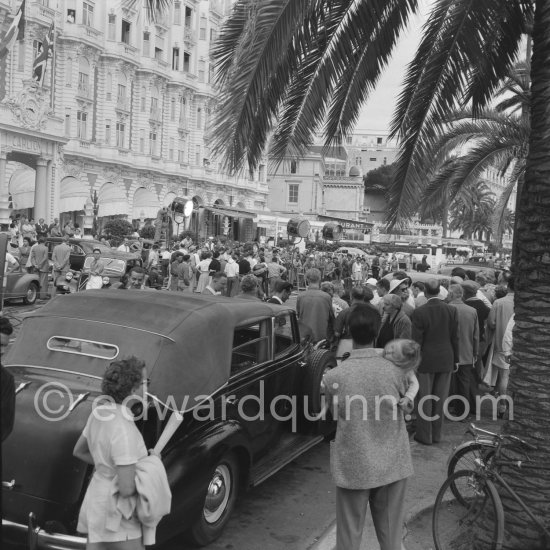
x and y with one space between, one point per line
32 293
220 497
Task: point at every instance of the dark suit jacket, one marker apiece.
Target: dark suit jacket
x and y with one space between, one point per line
435 328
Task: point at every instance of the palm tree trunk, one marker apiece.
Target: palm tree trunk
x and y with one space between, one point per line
445 218
530 370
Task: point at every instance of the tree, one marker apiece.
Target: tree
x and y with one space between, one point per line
379 179
472 211
288 66
117 230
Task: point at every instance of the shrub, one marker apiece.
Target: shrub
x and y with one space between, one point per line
147 232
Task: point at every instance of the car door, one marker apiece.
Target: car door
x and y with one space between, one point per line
253 387
77 257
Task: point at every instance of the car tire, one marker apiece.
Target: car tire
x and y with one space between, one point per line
32 294
319 362
220 498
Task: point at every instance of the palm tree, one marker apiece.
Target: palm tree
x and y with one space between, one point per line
290 66
472 211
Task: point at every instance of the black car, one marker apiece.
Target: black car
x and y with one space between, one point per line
248 389
81 248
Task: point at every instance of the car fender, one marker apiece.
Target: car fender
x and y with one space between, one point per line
189 462
23 283
480 440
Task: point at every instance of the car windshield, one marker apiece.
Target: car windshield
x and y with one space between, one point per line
113 266
90 246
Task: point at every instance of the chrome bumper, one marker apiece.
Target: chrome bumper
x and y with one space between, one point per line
36 538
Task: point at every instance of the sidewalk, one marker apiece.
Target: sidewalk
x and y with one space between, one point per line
430 471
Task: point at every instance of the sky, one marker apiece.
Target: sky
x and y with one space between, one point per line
378 110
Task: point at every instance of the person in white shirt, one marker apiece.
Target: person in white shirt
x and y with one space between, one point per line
232 273
125 246
371 283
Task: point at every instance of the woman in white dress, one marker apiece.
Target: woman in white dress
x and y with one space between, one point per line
112 443
203 267
95 280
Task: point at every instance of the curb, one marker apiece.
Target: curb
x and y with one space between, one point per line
327 540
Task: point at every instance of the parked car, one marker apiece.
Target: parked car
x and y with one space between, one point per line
82 248
20 285
247 356
448 269
415 276
116 264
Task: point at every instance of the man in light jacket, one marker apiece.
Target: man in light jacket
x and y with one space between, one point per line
61 258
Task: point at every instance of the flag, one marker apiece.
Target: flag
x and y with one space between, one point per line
41 61
15 32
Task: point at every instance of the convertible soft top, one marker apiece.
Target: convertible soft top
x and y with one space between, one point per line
185 340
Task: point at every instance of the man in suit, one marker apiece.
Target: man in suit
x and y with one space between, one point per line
435 328
464 383
281 292
370 457
217 286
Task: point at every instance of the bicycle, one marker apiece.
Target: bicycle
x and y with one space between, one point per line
481 447
469 503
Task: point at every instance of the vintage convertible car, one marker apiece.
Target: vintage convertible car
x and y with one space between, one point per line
248 388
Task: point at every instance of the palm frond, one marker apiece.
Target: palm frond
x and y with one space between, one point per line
499 215
447 71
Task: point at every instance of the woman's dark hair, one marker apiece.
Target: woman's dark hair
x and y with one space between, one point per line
471 274
363 322
121 377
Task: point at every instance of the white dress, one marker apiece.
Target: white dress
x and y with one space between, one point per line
113 440
204 279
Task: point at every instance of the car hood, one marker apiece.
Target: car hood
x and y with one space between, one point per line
38 455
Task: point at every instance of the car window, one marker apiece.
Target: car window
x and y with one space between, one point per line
75 249
112 266
79 346
250 346
283 334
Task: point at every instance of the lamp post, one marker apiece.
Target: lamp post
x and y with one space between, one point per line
95 209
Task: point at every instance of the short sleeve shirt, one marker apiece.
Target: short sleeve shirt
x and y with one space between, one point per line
113 438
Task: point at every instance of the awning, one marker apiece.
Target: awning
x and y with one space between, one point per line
230 213
112 201
72 204
21 188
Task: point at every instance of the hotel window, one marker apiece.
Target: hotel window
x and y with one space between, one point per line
188 16
175 59
120 134
186 62
111 27
293 192
293 167
125 33
142 141
21 56
81 123
36 48
385 161
171 149
378 141
87 14
146 44
213 35
372 159
177 13
121 95
181 151
202 28
108 132
202 70
173 109
67 124
349 140
154 105
357 161
198 155
159 48
199 118
153 144
182 110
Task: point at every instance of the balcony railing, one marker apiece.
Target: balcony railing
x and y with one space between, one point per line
41 12
84 90
122 104
155 114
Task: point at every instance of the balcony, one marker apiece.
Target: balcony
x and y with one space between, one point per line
123 51
123 104
154 65
189 35
82 33
84 91
40 13
184 125
155 115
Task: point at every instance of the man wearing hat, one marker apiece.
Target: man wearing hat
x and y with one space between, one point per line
400 287
371 283
281 292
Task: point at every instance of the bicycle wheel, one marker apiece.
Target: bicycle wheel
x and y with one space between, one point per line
477 522
465 459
